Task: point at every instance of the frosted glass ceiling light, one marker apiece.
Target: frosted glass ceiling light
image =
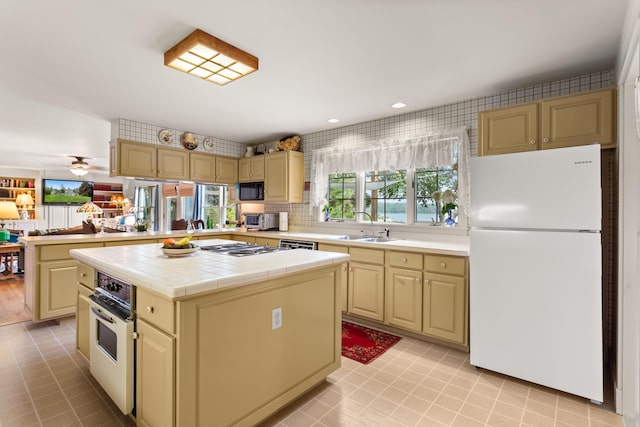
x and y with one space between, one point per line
209 58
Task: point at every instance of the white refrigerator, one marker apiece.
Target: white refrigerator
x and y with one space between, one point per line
535 262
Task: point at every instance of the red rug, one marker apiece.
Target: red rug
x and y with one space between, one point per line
363 344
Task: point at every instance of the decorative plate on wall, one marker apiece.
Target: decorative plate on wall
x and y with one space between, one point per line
165 136
208 144
189 141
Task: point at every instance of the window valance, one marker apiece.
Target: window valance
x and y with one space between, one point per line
436 148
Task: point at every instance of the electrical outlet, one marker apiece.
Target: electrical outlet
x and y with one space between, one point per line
276 318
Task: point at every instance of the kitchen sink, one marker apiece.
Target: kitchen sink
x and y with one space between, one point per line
365 239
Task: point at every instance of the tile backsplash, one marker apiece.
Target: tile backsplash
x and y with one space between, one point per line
463 113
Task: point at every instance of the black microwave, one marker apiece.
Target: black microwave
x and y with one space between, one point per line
251 191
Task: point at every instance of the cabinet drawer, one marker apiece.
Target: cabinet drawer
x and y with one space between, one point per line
51 252
130 242
371 256
333 248
86 276
405 260
155 309
445 264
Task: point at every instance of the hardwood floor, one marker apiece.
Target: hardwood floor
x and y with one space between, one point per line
12 302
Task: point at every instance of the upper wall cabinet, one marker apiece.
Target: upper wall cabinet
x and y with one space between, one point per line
129 158
140 160
565 121
284 177
251 169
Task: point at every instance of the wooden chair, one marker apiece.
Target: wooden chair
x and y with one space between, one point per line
198 224
179 224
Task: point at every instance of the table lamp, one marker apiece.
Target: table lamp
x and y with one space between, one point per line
8 210
25 200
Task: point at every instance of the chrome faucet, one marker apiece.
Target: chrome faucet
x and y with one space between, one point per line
363 212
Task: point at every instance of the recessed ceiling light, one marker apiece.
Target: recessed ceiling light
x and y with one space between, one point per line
399 105
333 120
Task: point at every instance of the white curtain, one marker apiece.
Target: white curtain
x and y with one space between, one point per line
436 148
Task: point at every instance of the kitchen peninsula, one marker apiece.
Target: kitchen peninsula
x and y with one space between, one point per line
225 340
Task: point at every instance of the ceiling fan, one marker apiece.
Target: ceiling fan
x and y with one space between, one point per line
79 167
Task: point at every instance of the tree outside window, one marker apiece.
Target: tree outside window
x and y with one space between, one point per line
386 196
430 183
341 200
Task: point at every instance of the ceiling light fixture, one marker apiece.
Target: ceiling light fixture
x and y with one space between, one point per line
79 167
209 58
398 105
333 120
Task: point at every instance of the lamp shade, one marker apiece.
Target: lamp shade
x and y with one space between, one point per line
24 199
89 207
9 210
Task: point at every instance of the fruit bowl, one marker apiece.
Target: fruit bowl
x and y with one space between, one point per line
177 252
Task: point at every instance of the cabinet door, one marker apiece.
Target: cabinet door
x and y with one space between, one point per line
82 320
173 164
58 281
244 169
445 307
155 387
579 120
276 185
344 292
404 298
257 168
226 170
366 290
202 167
57 217
272 243
508 130
136 160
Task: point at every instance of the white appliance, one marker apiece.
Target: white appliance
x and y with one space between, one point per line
535 258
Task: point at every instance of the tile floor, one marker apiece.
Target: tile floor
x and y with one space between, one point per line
44 382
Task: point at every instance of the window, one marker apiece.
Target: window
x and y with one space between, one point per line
432 182
215 211
385 195
341 198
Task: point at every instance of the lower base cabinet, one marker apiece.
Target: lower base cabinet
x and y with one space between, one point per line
57 288
82 321
366 290
445 307
155 361
344 291
404 299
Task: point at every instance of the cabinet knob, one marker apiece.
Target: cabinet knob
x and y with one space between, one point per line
350 269
546 140
443 265
417 280
404 259
83 275
532 142
344 268
427 282
150 310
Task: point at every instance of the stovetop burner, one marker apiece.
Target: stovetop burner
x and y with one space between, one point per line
239 249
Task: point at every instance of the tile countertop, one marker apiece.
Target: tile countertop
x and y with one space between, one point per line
458 246
146 266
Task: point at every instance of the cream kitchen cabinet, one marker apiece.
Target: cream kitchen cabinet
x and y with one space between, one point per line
284 177
202 167
85 287
344 291
251 169
446 298
173 164
226 170
366 283
565 121
63 216
155 386
265 241
403 297
50 280
133 159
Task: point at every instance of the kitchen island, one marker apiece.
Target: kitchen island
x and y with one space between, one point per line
210 348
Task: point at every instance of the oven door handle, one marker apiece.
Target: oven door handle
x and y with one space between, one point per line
101 316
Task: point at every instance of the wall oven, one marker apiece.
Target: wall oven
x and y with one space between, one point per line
112 335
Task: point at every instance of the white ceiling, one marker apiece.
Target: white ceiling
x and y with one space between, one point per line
71 66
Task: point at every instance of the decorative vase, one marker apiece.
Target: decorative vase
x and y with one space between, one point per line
327 215
449 222
249 152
